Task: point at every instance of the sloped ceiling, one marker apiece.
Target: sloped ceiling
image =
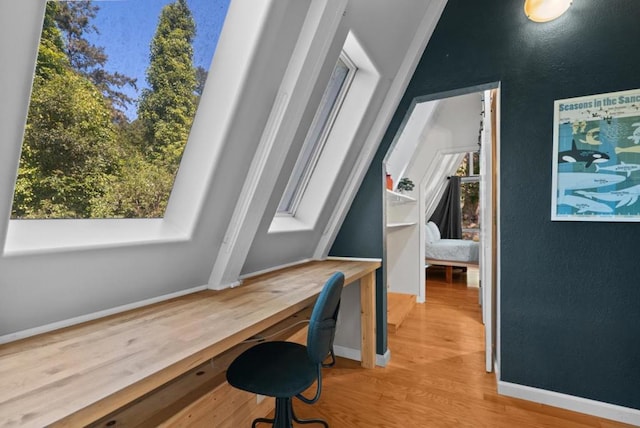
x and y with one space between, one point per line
52 287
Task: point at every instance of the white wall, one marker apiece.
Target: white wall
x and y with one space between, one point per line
41 286
452 131
384 30
52 285
406 144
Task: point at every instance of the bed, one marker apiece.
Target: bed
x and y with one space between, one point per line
449 252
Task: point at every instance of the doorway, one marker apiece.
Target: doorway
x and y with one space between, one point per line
437 132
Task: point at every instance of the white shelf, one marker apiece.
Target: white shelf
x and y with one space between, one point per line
398 225
402 233
396 198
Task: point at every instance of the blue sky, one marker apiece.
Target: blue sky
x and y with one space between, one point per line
127 26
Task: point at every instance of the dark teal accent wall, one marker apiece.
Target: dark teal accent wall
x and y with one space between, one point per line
362 237
570 291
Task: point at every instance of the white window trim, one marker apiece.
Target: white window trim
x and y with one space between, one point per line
236 47
318 30
301 185
339 141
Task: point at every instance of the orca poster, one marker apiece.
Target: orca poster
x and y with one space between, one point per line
596 158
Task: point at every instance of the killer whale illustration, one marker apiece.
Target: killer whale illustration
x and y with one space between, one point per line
587 156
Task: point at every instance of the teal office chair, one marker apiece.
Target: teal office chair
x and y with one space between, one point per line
285 369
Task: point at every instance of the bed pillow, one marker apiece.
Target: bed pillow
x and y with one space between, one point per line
428 235
433 230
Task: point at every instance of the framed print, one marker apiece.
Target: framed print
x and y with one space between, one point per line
596 158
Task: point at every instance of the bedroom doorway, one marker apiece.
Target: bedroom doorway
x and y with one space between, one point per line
437 133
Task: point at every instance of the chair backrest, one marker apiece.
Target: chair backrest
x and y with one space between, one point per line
322 325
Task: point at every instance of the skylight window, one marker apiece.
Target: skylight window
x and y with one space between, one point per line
317 135
116 88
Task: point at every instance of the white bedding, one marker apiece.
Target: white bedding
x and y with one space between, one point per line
457 250
454 250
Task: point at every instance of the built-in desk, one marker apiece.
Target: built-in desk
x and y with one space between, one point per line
77 375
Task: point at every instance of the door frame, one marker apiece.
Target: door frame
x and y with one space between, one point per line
489 226
490 264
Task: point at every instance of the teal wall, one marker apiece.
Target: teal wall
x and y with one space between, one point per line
570 291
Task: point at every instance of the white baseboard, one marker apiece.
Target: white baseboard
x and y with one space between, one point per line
348 353
354 354
570 402
383 360
90 317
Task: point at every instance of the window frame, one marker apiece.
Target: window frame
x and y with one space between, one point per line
471 177
319 144
341 143
236 49
35 219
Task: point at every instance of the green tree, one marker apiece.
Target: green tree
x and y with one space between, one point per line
73 18
154 143
201 79
141 191
142 187
167 107
51 57
68 150
77 161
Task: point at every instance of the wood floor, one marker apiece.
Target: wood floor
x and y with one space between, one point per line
436 376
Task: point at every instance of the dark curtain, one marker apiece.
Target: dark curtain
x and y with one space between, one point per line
448 215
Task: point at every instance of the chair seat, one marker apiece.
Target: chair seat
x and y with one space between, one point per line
275 369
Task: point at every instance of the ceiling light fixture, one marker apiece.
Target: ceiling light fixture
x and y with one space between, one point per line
545 10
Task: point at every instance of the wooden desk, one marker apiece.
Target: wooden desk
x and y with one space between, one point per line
74 376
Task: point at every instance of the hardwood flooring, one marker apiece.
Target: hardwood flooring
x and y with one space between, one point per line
398 307
436 376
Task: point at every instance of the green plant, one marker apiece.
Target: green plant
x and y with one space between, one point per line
405 184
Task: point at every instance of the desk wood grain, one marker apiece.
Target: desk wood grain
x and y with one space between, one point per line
73 376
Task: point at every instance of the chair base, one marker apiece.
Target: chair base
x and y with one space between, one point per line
284 416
